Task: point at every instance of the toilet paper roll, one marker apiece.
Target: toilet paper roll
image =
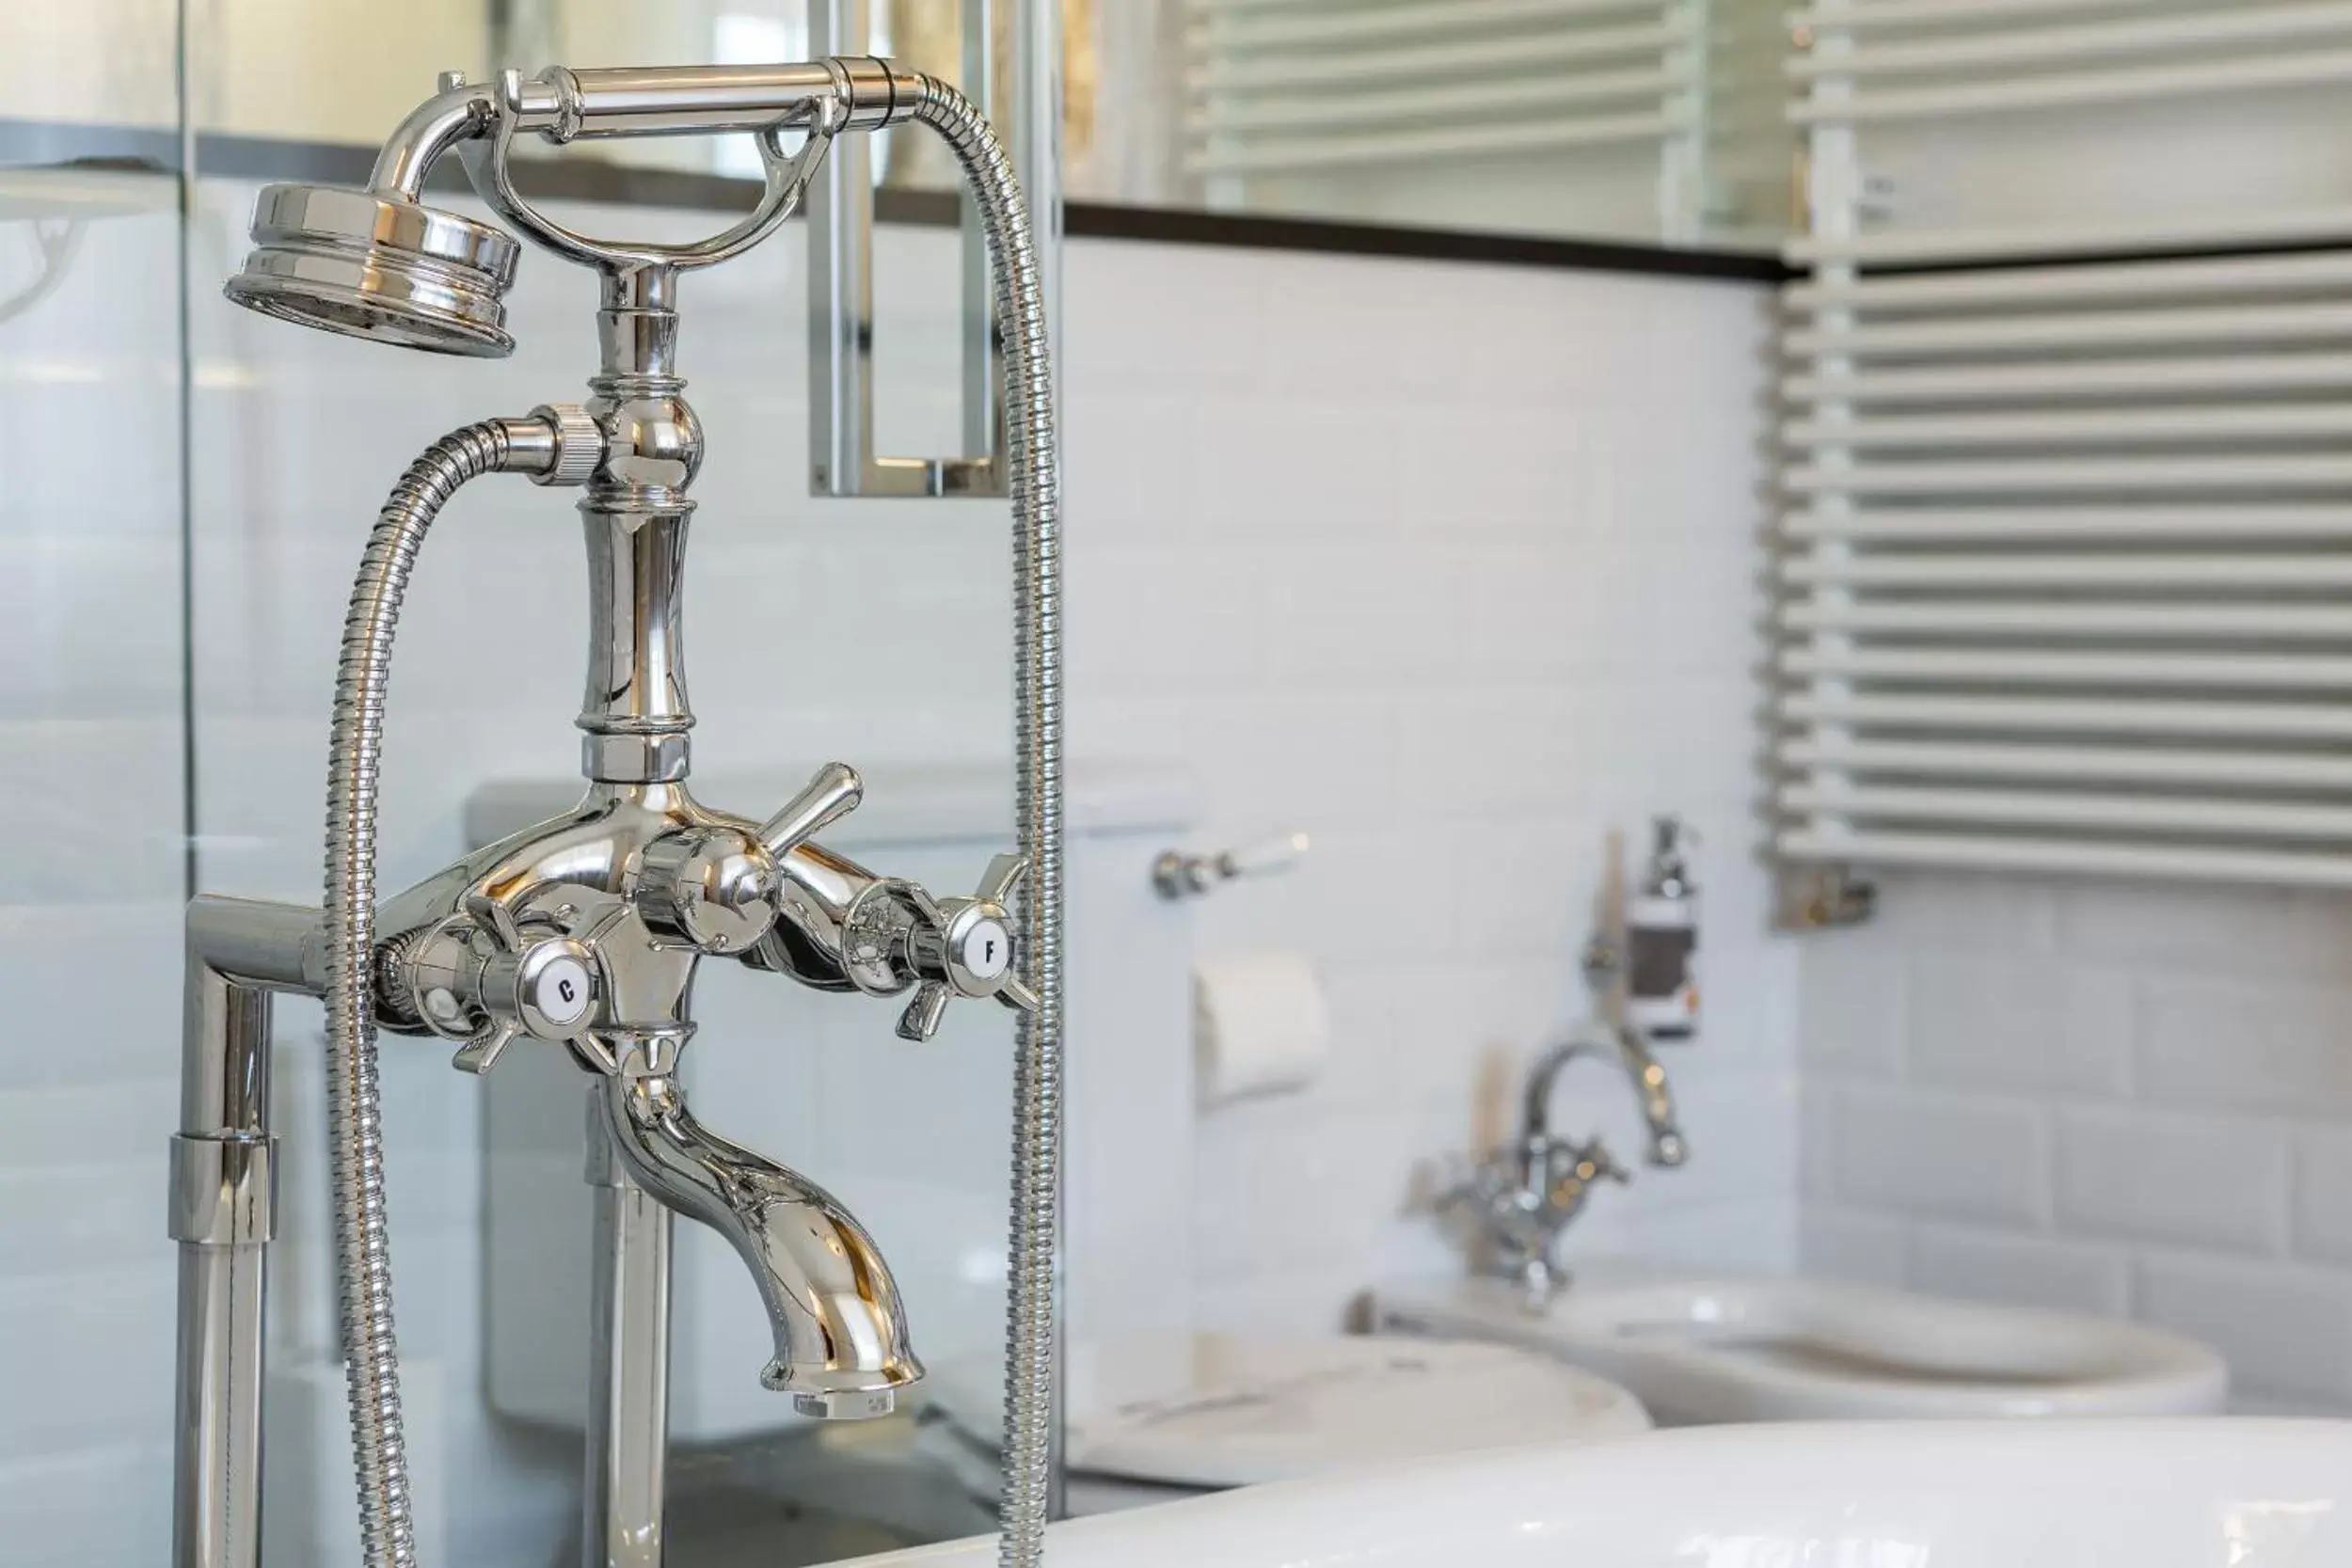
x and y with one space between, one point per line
1259 1024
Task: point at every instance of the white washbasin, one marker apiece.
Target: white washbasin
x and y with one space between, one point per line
1695 1350
2129 1494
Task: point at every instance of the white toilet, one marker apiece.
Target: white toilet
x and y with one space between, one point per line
1152 1418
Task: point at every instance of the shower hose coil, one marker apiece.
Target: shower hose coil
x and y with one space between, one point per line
363 1264
1035 474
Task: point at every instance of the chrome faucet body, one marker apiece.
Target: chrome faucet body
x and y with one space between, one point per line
1524 1196
585 933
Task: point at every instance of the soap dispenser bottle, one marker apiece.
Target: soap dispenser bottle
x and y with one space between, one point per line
1662 933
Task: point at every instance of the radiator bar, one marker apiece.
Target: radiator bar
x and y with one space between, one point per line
1995 666
2135 763
1993 853
2269 622
2106 715
1238 28
2279 819
2251 522
2315 68
2240 26
2026 382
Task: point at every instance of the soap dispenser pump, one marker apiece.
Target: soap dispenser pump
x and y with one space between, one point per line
1660 938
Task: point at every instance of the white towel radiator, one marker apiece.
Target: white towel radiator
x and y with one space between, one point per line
1286 87
2066 570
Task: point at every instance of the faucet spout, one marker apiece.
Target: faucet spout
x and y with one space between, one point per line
1652 1090
840 1328
1666 1146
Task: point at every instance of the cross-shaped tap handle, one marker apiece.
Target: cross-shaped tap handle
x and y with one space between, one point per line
965 947
482 979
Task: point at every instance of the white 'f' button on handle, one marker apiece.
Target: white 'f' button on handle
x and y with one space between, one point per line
987 949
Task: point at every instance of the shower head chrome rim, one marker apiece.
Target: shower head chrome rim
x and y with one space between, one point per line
363 265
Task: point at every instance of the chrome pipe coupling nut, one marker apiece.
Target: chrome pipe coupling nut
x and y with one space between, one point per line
578 444
871 95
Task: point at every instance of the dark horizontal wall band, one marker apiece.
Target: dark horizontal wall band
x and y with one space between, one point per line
595 180
2107 258
1256 232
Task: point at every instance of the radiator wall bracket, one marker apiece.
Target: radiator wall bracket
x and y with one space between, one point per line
1823 898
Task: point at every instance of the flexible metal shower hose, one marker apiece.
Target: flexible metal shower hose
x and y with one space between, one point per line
1031 450
362 1255
363 1264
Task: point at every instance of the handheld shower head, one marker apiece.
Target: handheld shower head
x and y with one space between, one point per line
366 266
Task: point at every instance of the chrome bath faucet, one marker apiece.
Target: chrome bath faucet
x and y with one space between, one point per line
584 934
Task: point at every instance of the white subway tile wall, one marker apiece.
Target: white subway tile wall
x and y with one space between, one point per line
2115 1098
1453 568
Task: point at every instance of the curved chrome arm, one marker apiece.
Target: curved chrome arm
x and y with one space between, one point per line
457 113
840 1328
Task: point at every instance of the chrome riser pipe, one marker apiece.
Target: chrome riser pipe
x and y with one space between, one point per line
217 1469
222 1216
221 1220
629 1399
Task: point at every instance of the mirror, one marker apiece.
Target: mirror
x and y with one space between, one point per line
1651 122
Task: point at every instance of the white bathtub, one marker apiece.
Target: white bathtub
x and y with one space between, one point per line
2185 1493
